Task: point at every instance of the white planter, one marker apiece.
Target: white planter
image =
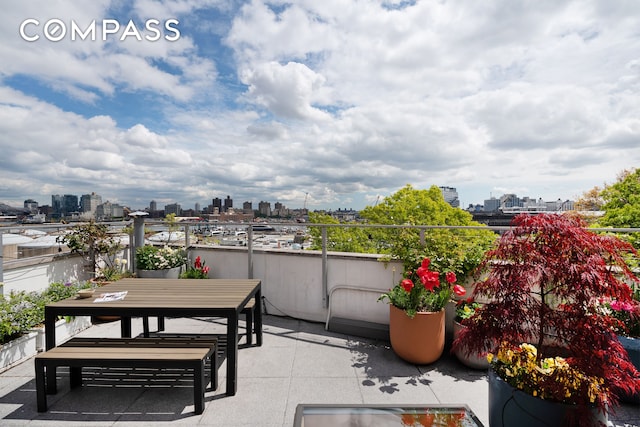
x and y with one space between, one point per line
471 360
64 330
169 273
18 350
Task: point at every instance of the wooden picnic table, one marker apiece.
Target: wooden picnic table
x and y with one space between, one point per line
169 298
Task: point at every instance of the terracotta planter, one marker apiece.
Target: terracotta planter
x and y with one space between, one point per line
472 360
419 340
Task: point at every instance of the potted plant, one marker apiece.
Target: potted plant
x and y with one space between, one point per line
465 309
627 316
160 262
198 271
545 277
416 312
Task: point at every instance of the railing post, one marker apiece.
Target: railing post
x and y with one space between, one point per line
250 252
187 239
138 235
325 287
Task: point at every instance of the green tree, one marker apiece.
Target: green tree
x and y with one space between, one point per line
458 250
622 201
622 204
339 239
94 242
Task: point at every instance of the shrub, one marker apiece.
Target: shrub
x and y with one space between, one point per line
21 311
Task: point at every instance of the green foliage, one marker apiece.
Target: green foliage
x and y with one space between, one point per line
197 271
21 311
149 257
456 250
339 239
622 204
94 243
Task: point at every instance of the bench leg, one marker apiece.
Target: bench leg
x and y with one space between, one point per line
145 326
50 379
41 389
198 388
75 376
249 325
214 368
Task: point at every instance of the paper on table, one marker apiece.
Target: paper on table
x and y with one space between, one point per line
113 296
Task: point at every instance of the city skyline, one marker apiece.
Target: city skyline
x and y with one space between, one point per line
239 204
334 103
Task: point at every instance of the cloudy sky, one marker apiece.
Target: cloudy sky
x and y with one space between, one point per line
338 101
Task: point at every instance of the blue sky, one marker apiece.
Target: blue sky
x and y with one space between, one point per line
337 101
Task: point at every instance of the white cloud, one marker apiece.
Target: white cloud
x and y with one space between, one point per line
335 101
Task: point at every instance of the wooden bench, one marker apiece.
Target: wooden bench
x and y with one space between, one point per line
159 352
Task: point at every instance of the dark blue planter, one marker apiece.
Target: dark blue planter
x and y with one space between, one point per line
632 345
510 407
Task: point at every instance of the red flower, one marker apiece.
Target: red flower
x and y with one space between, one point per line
450 277
205 270
407 284
430 280
425 263
197 264
459 290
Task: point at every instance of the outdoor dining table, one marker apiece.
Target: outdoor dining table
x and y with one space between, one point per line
169 298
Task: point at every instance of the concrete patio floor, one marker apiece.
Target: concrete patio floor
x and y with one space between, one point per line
299 362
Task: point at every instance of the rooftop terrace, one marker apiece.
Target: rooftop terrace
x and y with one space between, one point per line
299 362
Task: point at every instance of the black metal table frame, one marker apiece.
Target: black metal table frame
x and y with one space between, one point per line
52 312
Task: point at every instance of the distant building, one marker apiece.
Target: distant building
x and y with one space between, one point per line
344 214
107 210
264 208
153 206
31 206
216 205
89 203
228 204
280 210
197 208
491 205
247 208
56 204
173 208
508 201
450 195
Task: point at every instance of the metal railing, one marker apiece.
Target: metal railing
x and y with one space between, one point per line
186 227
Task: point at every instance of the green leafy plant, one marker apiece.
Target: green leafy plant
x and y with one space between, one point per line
94 242
198 271
149 257
545 276
465 308
423 290
21 311
456 250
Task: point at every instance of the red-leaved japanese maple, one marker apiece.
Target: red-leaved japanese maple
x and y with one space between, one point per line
543 282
